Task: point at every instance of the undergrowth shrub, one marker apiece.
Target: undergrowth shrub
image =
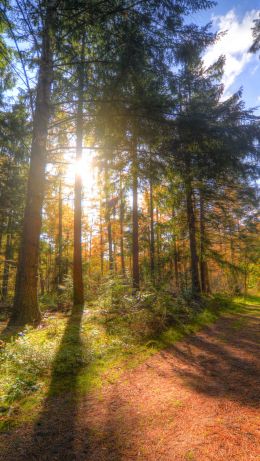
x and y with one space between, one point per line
23 361
59 299
143 314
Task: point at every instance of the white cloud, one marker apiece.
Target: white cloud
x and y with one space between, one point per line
234 44
258 98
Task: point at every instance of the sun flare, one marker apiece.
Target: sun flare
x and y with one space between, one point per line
85 168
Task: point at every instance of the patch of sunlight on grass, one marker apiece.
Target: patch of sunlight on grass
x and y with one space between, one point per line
25 363
248 300
170 336
248 304
176 333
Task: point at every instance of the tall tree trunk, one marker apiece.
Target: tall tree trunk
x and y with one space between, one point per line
175 254
121 217
101 242
245 273
110 243
26 309
114 241
152 246
233 269
176 269
90 250
203 263
192 238
158 244
8 257
184 264
60 242
78 289
66 266
108 221
1 239
136 275
42 283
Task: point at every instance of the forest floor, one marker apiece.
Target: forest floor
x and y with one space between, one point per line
197 400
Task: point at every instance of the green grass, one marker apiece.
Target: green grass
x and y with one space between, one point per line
249 300
82 352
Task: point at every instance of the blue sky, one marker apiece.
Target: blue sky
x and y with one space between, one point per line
242 68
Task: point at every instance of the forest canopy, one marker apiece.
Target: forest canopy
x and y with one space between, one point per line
121 160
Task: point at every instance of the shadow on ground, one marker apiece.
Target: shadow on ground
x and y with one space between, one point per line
223 361
54 431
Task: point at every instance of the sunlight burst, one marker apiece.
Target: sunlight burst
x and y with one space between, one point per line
83 167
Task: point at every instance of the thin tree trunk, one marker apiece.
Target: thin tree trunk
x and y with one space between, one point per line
78 289
192 238
184 264
26 309
152 245
176 269
114 241
110 244
60 243
90 251
42 283
136 275
203 268
1 239
108 222
158 244
122 251
207 277
8 257
101 242
234 274
47 273
66 268
245 274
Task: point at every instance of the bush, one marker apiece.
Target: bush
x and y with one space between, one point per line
146 313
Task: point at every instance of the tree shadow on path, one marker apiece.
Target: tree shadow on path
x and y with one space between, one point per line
55 430
222 361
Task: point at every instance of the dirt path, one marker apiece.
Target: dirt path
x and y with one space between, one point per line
198 401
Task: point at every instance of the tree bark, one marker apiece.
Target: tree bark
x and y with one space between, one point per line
78 289
90 250
233 269
195 283
136 274
114 242
121 217
26 309
158 244
110 244
108 221
8 257
152 245
176 269
101 242
1 239
60 242
203 262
